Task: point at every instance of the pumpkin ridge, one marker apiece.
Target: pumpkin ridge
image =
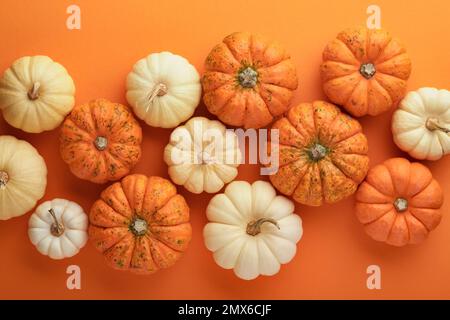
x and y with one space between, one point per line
335 142
299 133
376 61
263 239
264 100
378 218
75 120
316 125
331 159
347 138
382 84
156 238
111 262
230 81
401 216
291 161
114 210
19 81
226 45
347 100
369 42
322 197
285 58
398 193
220 110
385 194
156 210
152 244
416 218
392 225
350 50
75 124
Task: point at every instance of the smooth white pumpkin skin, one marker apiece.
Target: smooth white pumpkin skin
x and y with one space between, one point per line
75 223
183 89
27 177
250 256
409 123
195 162
56 94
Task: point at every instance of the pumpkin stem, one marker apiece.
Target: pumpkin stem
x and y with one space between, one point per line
158 90
254 227
317 151
101 143
138 226
367 70
4 178
247 77
33 94
401 204
56 229
433 124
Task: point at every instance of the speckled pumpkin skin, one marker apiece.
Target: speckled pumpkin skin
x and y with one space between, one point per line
335 176
248 107
153 199
106 119
346 86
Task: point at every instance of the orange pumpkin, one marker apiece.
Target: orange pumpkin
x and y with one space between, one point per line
140 224
399 202
322 154
101 141
248 81
365 71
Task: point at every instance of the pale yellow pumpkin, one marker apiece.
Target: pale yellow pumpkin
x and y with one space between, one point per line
36 94
23 177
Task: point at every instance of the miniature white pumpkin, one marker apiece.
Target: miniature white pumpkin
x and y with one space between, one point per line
251 229
36 94
163 89
202 155
23 177
58 228
421 124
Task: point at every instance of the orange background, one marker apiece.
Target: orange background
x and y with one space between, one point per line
334 253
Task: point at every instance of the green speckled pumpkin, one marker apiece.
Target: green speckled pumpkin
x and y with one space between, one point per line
100 141
322 153
140 224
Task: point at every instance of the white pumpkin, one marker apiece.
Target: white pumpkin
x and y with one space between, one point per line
23 177
421 124
58 228
36 94
163 89
202 155
251 229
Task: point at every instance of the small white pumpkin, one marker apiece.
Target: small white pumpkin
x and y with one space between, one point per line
36 94
58 228
251 229
163 89
421 124
23 177
202 155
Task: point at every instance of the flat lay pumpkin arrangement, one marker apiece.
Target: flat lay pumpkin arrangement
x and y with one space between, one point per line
141 223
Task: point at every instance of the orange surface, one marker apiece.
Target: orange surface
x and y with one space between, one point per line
334 253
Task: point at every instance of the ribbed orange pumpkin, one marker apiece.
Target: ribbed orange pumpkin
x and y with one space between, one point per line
248 81
365 71
140 224
399 202
101 141
322 154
